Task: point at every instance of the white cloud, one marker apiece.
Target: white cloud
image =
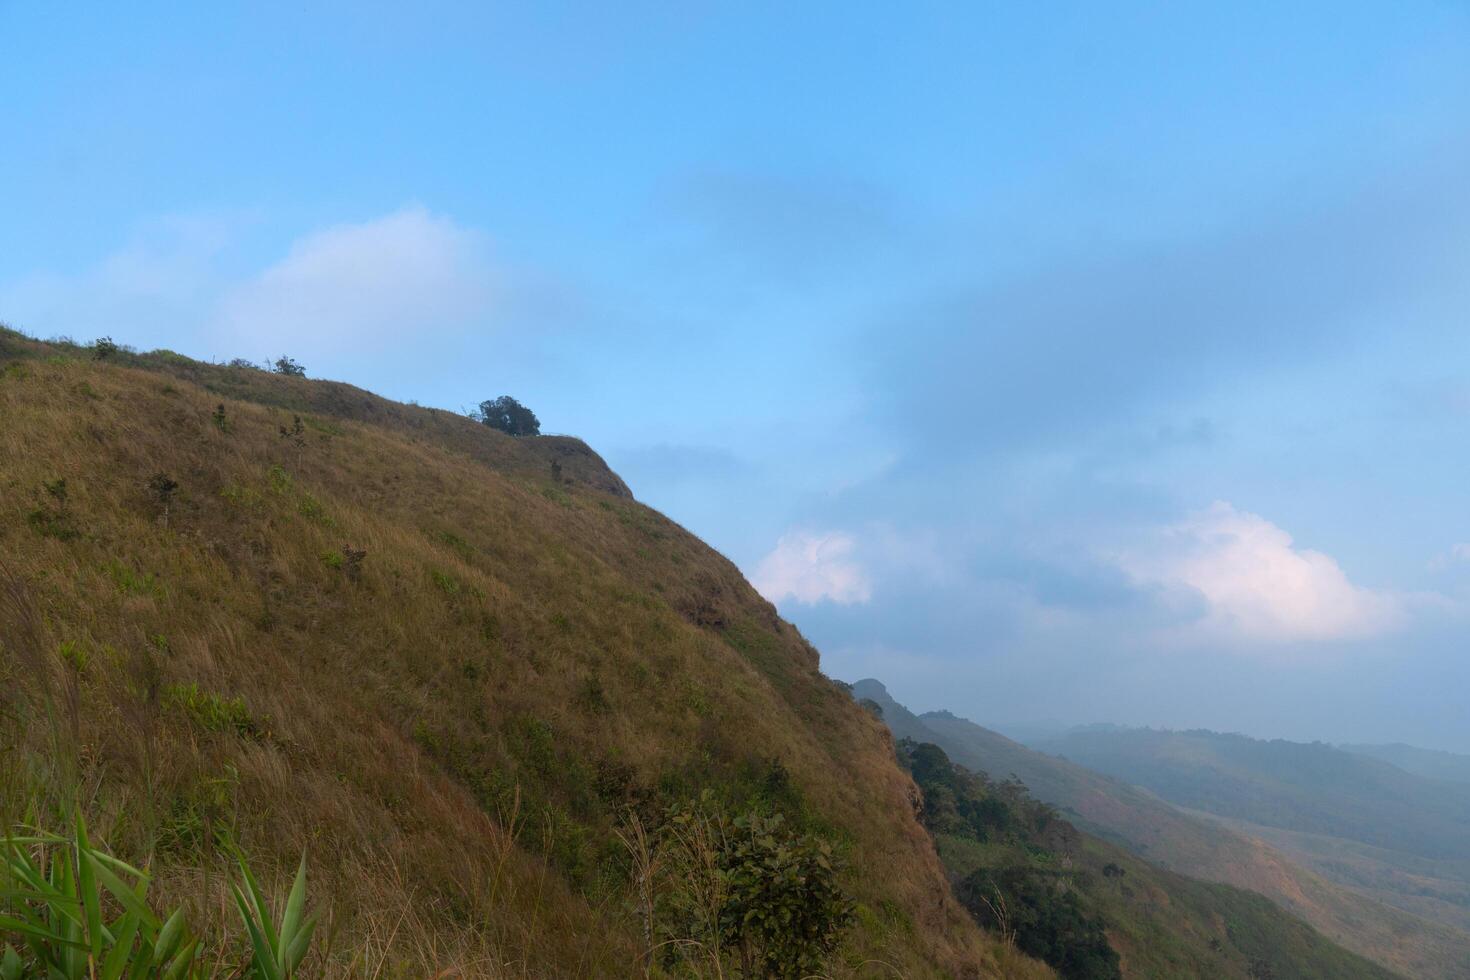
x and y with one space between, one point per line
360 285
1256 585
810 567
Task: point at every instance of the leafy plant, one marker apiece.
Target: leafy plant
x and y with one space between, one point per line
278 948
104 348
71 911
288 366
57 894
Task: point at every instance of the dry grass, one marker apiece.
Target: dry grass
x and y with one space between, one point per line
449 727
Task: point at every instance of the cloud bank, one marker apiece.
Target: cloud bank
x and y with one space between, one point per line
1256 584
365 284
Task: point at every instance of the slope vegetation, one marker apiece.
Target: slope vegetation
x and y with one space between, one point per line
1171 839
245 608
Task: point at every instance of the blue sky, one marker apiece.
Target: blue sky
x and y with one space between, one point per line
1049 362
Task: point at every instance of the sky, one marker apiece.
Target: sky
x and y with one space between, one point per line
1053 363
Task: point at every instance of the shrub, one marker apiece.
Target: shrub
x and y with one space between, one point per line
104 348
289 367
163 487
751 886
296 434
218 418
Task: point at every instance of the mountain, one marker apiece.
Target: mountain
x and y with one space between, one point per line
1432 763
1190 844
1399 836
512 716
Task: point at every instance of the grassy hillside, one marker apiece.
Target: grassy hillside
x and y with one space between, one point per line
1176 841
469 684
1094 910
1361 821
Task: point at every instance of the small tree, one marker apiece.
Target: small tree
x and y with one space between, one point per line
509 416
288 366
104 348
163 487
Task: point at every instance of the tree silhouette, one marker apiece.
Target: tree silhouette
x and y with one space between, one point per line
509 416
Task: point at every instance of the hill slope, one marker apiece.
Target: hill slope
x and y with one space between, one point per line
1361 821
407 645
1171 839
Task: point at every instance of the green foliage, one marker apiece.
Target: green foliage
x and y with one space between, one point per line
509 416
211 712
1042 912
103 348
1026 896
289 367
130 582
73 655
246 498
751 886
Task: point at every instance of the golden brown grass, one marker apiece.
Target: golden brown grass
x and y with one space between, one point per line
451 728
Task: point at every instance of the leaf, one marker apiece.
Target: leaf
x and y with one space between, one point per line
295 905
122 948
296 952
87 885
262 909
180 966
168 938
264 954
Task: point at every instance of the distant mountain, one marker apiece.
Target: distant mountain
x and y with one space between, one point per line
1189 844
1423 762
1361 821
1094 910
